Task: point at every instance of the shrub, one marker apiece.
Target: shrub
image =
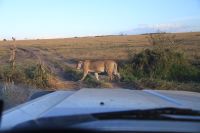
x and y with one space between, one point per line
183 73
72 74
165 64
156 63
38 76
35 75
162 38
127 73
90 82
7 74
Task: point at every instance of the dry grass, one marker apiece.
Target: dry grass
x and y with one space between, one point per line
65 50
56 53
109 47
59 53
106 47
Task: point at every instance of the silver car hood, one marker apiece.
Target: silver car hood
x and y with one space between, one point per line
86 101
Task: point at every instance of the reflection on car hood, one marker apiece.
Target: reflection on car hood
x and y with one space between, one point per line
98 100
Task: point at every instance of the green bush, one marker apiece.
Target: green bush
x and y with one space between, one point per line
183 73
35 75
90 82
38 76
72 74
164 64
7 74
127 73
156 63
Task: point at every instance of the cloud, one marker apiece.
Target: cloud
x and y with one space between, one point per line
165 27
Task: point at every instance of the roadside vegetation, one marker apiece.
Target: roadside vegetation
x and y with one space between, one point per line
35 75
89 82
164 62
18 81
154 61
164 66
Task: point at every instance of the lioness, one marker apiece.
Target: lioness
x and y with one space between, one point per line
108 66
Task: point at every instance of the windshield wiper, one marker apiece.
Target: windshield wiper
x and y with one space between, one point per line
152 114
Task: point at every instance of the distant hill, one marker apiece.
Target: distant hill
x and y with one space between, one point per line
163 28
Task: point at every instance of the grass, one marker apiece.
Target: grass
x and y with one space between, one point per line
102 47
72 74
141 64
89 82
33 75
161 67
38 76
168 85
55 53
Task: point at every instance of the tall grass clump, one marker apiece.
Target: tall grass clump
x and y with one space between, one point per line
90 82
163 64
161 39
35 75
9 72
10 75
126 71
164 61
184 73
38 75
155 63
72 74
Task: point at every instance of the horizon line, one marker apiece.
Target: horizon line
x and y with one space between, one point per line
105 35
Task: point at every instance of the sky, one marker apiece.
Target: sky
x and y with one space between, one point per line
33 19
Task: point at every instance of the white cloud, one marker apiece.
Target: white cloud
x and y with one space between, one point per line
165 27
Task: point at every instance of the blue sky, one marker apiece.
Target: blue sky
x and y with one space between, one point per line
68 18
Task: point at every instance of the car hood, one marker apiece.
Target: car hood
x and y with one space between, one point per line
86 101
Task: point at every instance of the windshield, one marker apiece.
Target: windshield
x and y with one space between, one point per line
124 54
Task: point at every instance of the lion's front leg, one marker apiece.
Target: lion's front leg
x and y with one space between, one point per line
84 76
97 76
